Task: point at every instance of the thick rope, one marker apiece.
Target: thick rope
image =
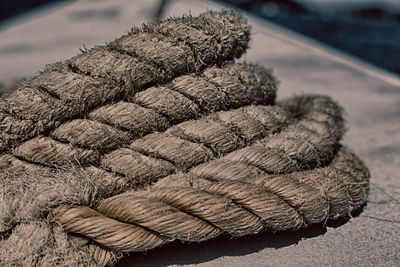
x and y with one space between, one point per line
306 143
154 109
281 202
131 63
237 172
260 181
138 221
190 158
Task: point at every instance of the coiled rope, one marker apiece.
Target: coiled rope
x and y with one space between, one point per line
196 156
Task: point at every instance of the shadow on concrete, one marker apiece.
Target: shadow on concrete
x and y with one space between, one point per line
179 252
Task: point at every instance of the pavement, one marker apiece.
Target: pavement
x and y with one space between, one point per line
369 95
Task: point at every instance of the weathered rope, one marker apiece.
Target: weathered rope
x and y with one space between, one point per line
90 140
141 220
131 63
305 144
300 198
121 149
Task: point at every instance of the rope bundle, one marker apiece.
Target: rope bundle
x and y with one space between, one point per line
124 149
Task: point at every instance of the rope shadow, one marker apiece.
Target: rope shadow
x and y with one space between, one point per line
178 252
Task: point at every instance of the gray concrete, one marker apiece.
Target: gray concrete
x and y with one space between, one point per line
370 96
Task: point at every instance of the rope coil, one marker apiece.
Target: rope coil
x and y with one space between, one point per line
155 153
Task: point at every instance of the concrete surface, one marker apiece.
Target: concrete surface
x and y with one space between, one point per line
370 96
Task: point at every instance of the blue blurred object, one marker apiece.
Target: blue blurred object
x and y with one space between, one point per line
365 28
13 8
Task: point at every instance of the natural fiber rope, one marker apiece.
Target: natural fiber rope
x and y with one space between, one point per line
300 198
131 63
214 152
138 221
115 125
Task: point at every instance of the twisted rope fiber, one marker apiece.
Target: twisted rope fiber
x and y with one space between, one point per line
214 152
138 221
321 108
154 54
256 86
199 210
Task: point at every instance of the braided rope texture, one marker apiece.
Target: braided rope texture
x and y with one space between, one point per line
158 136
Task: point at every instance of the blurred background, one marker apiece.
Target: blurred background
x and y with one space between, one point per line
366 29
369 29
